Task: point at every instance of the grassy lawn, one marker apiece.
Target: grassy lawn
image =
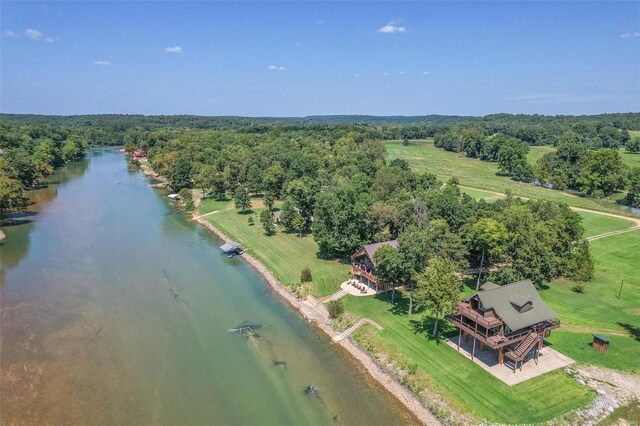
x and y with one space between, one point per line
424 156
283 254
536 152
595 224
622 353
479 194
464 384
616 259
210 205
631 160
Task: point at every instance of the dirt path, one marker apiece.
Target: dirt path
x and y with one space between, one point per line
635 220
588 329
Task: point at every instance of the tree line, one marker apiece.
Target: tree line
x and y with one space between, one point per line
30 153
586 158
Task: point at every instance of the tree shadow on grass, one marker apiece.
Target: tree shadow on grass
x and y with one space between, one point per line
246 212
631 329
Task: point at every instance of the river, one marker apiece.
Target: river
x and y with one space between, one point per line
115 309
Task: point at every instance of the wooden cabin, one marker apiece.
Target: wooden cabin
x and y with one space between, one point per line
363 262
231 249
511 319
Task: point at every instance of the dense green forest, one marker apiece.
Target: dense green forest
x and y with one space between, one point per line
336 183
29 154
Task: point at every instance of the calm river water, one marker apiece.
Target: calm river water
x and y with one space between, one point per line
92 334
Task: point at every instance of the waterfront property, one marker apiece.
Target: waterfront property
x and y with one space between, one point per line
512 320
363 262
231 249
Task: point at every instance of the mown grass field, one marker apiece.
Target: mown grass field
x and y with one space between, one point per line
596 224
283 254
424 156
463 384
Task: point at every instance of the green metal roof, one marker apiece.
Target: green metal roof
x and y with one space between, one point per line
507 300
601 337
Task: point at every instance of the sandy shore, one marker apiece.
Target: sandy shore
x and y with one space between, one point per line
384 378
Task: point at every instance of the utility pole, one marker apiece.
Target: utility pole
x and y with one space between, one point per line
620 292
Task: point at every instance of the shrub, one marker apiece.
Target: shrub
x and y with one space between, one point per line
250 221
335 308
579 287
305 276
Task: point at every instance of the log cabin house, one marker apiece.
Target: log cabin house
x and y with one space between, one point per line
511 319
363 263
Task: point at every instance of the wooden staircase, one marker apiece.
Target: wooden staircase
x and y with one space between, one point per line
525 345
518 354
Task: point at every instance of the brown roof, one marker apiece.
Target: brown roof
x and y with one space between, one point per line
371 249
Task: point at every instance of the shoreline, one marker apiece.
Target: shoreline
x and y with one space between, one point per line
375 371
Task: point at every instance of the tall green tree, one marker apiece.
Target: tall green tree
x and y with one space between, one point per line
602 173
512 159
486 237
438 289
633 145
241 198
180 176
266 220
390 268
633 187
11 195
288 213
298 224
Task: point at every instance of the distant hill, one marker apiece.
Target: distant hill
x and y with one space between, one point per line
200 121
629 121
386 120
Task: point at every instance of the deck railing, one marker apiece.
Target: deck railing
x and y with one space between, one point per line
487 322
368 275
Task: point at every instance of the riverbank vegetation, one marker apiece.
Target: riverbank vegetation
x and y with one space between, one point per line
30 153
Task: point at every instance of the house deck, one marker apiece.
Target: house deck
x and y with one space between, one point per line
549 359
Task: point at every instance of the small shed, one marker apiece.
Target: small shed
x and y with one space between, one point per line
231 249
600 342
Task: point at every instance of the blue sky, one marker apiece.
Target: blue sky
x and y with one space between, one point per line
304 58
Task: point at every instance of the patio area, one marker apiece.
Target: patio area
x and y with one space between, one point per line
549 360
354 288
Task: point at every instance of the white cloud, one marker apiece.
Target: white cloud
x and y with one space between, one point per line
11 34
629 35
356 75
50 40
276 68
321 22
101 62
401 72
393 27
173 49
425 72
33 34
385 73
